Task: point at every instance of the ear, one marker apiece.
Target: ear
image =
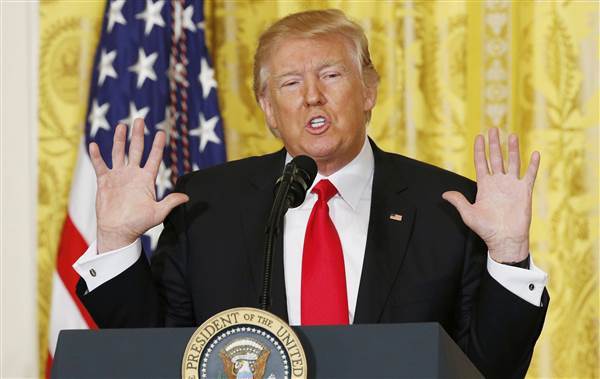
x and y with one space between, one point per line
265 105
370 97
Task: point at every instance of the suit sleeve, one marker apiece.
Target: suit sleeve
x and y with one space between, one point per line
496 328
147 295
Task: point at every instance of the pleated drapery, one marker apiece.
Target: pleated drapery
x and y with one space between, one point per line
449 69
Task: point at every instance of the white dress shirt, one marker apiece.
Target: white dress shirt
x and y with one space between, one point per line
349 211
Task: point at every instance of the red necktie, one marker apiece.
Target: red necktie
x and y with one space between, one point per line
324 299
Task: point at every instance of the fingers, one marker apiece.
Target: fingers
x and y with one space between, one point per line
118 150
534 164
156 153
481 167
496 163
97 162
136 147
514 159
461 204
169 202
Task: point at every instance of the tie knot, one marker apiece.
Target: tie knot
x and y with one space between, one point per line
325 190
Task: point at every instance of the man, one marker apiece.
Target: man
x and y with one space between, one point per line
376 240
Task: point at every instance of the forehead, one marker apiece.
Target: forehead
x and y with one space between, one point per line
292 54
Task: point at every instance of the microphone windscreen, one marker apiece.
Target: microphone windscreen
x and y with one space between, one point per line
308 165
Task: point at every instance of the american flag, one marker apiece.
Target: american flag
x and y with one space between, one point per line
151 63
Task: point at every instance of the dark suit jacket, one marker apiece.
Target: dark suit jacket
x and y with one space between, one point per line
428 267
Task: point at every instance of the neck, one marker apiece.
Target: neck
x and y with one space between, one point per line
328 167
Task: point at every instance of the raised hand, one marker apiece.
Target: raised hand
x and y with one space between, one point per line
501 214
126 205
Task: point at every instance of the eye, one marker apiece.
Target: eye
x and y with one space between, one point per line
290 83
331 75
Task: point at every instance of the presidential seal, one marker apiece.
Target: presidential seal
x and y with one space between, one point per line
244 343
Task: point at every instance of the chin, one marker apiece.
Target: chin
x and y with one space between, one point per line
319 153
322 147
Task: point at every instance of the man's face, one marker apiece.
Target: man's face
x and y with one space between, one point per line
316 100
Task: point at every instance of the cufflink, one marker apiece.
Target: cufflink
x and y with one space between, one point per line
92 272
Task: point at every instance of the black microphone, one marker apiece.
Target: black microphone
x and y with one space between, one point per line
298 176
290 192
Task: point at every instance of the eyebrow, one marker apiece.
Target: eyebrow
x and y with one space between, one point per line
324 65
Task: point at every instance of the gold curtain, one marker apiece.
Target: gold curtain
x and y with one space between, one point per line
68 35
449 70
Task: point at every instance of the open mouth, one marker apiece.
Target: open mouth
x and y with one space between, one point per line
317 125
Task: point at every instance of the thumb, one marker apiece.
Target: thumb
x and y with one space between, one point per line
459 202
169 202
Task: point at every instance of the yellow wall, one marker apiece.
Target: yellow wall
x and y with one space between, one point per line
449 71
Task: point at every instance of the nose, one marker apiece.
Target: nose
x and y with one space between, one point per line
313 93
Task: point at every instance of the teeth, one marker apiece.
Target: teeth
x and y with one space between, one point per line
317 122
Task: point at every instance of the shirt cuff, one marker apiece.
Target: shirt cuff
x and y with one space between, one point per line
96 269
527 284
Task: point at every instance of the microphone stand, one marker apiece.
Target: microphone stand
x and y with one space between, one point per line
272 231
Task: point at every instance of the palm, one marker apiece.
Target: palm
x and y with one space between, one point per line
126 196
502 207
501 214
126 205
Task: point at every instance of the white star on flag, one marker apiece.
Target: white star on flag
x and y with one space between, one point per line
151 15
206 78
133 114
183 19
206 131
106 65
97 118
143 67
154 234
115 14
163 180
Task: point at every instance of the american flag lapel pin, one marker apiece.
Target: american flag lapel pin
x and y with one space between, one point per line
396 217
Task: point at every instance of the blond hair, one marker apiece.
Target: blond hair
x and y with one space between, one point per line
313 24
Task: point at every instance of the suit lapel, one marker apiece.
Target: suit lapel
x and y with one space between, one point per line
387 238
257 201
390 227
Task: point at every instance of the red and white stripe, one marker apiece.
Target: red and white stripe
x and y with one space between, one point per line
79 230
